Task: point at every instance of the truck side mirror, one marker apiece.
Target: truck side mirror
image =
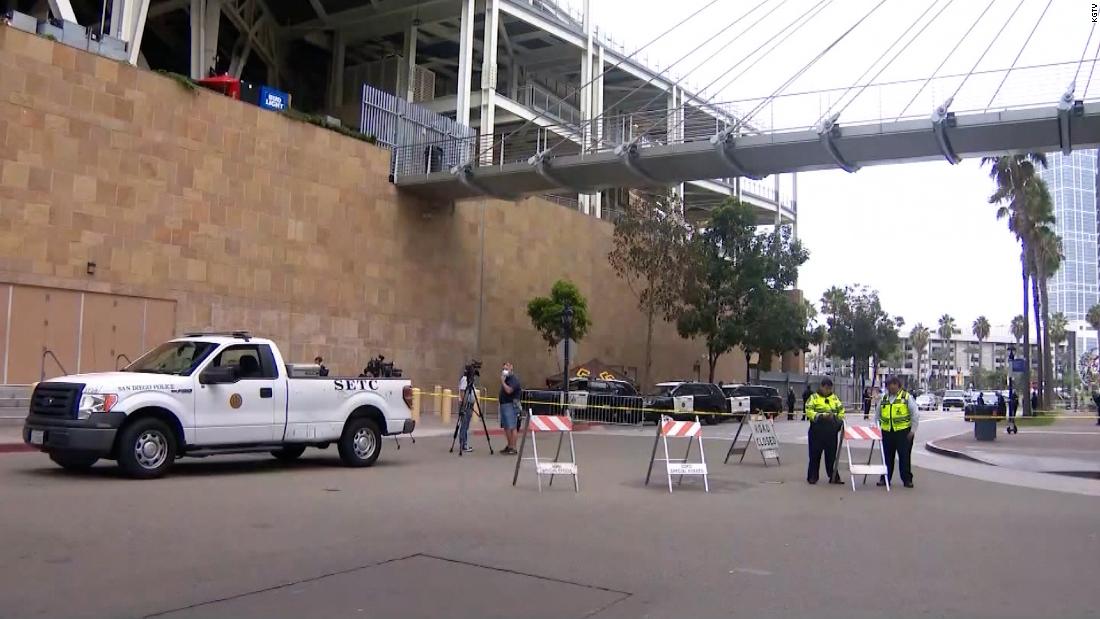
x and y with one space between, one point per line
219 376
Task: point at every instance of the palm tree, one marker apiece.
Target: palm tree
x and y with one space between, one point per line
1047 257
1093 317
1058 333
980 329
919 338
946 332
1012 174
1019 326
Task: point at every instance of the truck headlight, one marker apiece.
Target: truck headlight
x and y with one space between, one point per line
95 403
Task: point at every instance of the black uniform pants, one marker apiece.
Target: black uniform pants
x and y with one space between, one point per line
898 444
822 438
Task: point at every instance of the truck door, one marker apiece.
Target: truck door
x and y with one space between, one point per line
241 412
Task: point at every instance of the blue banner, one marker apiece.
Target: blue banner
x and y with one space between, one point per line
1019 365
273 99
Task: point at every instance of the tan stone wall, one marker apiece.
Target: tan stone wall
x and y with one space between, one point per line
250 220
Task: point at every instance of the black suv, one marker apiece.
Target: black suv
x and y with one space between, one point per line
708 398
548 401
762 398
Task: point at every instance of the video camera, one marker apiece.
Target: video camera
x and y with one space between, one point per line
380 368
472 369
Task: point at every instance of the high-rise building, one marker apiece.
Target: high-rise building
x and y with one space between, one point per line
1073 181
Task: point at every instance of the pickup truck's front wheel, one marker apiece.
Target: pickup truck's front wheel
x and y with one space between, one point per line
360 443
146 448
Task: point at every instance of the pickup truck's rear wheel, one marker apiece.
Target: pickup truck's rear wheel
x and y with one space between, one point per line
360 443
74 461
289 453
146 449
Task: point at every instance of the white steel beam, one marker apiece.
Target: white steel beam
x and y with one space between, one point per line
489 79
137 28
465 63
63 9
406 82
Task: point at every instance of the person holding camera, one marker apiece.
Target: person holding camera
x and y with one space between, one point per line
465 412
509 399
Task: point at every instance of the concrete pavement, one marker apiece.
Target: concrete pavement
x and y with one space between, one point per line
427 534
1067 448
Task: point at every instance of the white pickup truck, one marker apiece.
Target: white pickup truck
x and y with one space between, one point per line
212 393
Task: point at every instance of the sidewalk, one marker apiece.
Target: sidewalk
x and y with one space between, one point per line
11 439
1065 448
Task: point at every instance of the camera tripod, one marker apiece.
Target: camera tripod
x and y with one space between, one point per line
470 405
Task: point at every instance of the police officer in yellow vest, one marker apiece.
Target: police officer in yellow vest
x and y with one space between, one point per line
898 416
826 413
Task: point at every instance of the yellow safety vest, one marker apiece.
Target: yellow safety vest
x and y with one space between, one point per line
819 404
895 415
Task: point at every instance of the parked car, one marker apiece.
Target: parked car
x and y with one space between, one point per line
953 398
762 398
707 398
927 402
209 394
612 400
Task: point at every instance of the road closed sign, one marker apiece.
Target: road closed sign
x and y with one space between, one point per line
763 434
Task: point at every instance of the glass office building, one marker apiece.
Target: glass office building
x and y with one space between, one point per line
1073 183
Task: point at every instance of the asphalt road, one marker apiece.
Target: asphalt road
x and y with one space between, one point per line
426 534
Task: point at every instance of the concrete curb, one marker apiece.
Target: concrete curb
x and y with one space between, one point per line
953 453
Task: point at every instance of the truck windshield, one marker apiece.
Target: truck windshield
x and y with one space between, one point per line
179 358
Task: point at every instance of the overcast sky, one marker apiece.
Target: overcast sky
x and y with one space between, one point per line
922 234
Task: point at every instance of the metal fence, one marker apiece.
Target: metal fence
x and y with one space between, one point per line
594 408
421 140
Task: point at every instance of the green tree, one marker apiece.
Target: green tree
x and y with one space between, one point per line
1093 317
1011 175
545 313
859 329
774 325
1018 327
918 337
649 253
1046 259
1059 331
732 271
947 331
980 329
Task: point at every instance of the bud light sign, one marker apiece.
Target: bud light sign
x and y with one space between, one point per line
273 99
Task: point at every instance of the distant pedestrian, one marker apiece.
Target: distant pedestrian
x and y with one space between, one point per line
790 404
898 416
1034 401
1096 401
826 414
322 371
866 402
1001 404
806 393
509 399
1013 406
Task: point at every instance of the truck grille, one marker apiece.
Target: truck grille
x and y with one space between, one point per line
56 399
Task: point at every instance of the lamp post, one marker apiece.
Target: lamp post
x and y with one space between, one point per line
567 333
